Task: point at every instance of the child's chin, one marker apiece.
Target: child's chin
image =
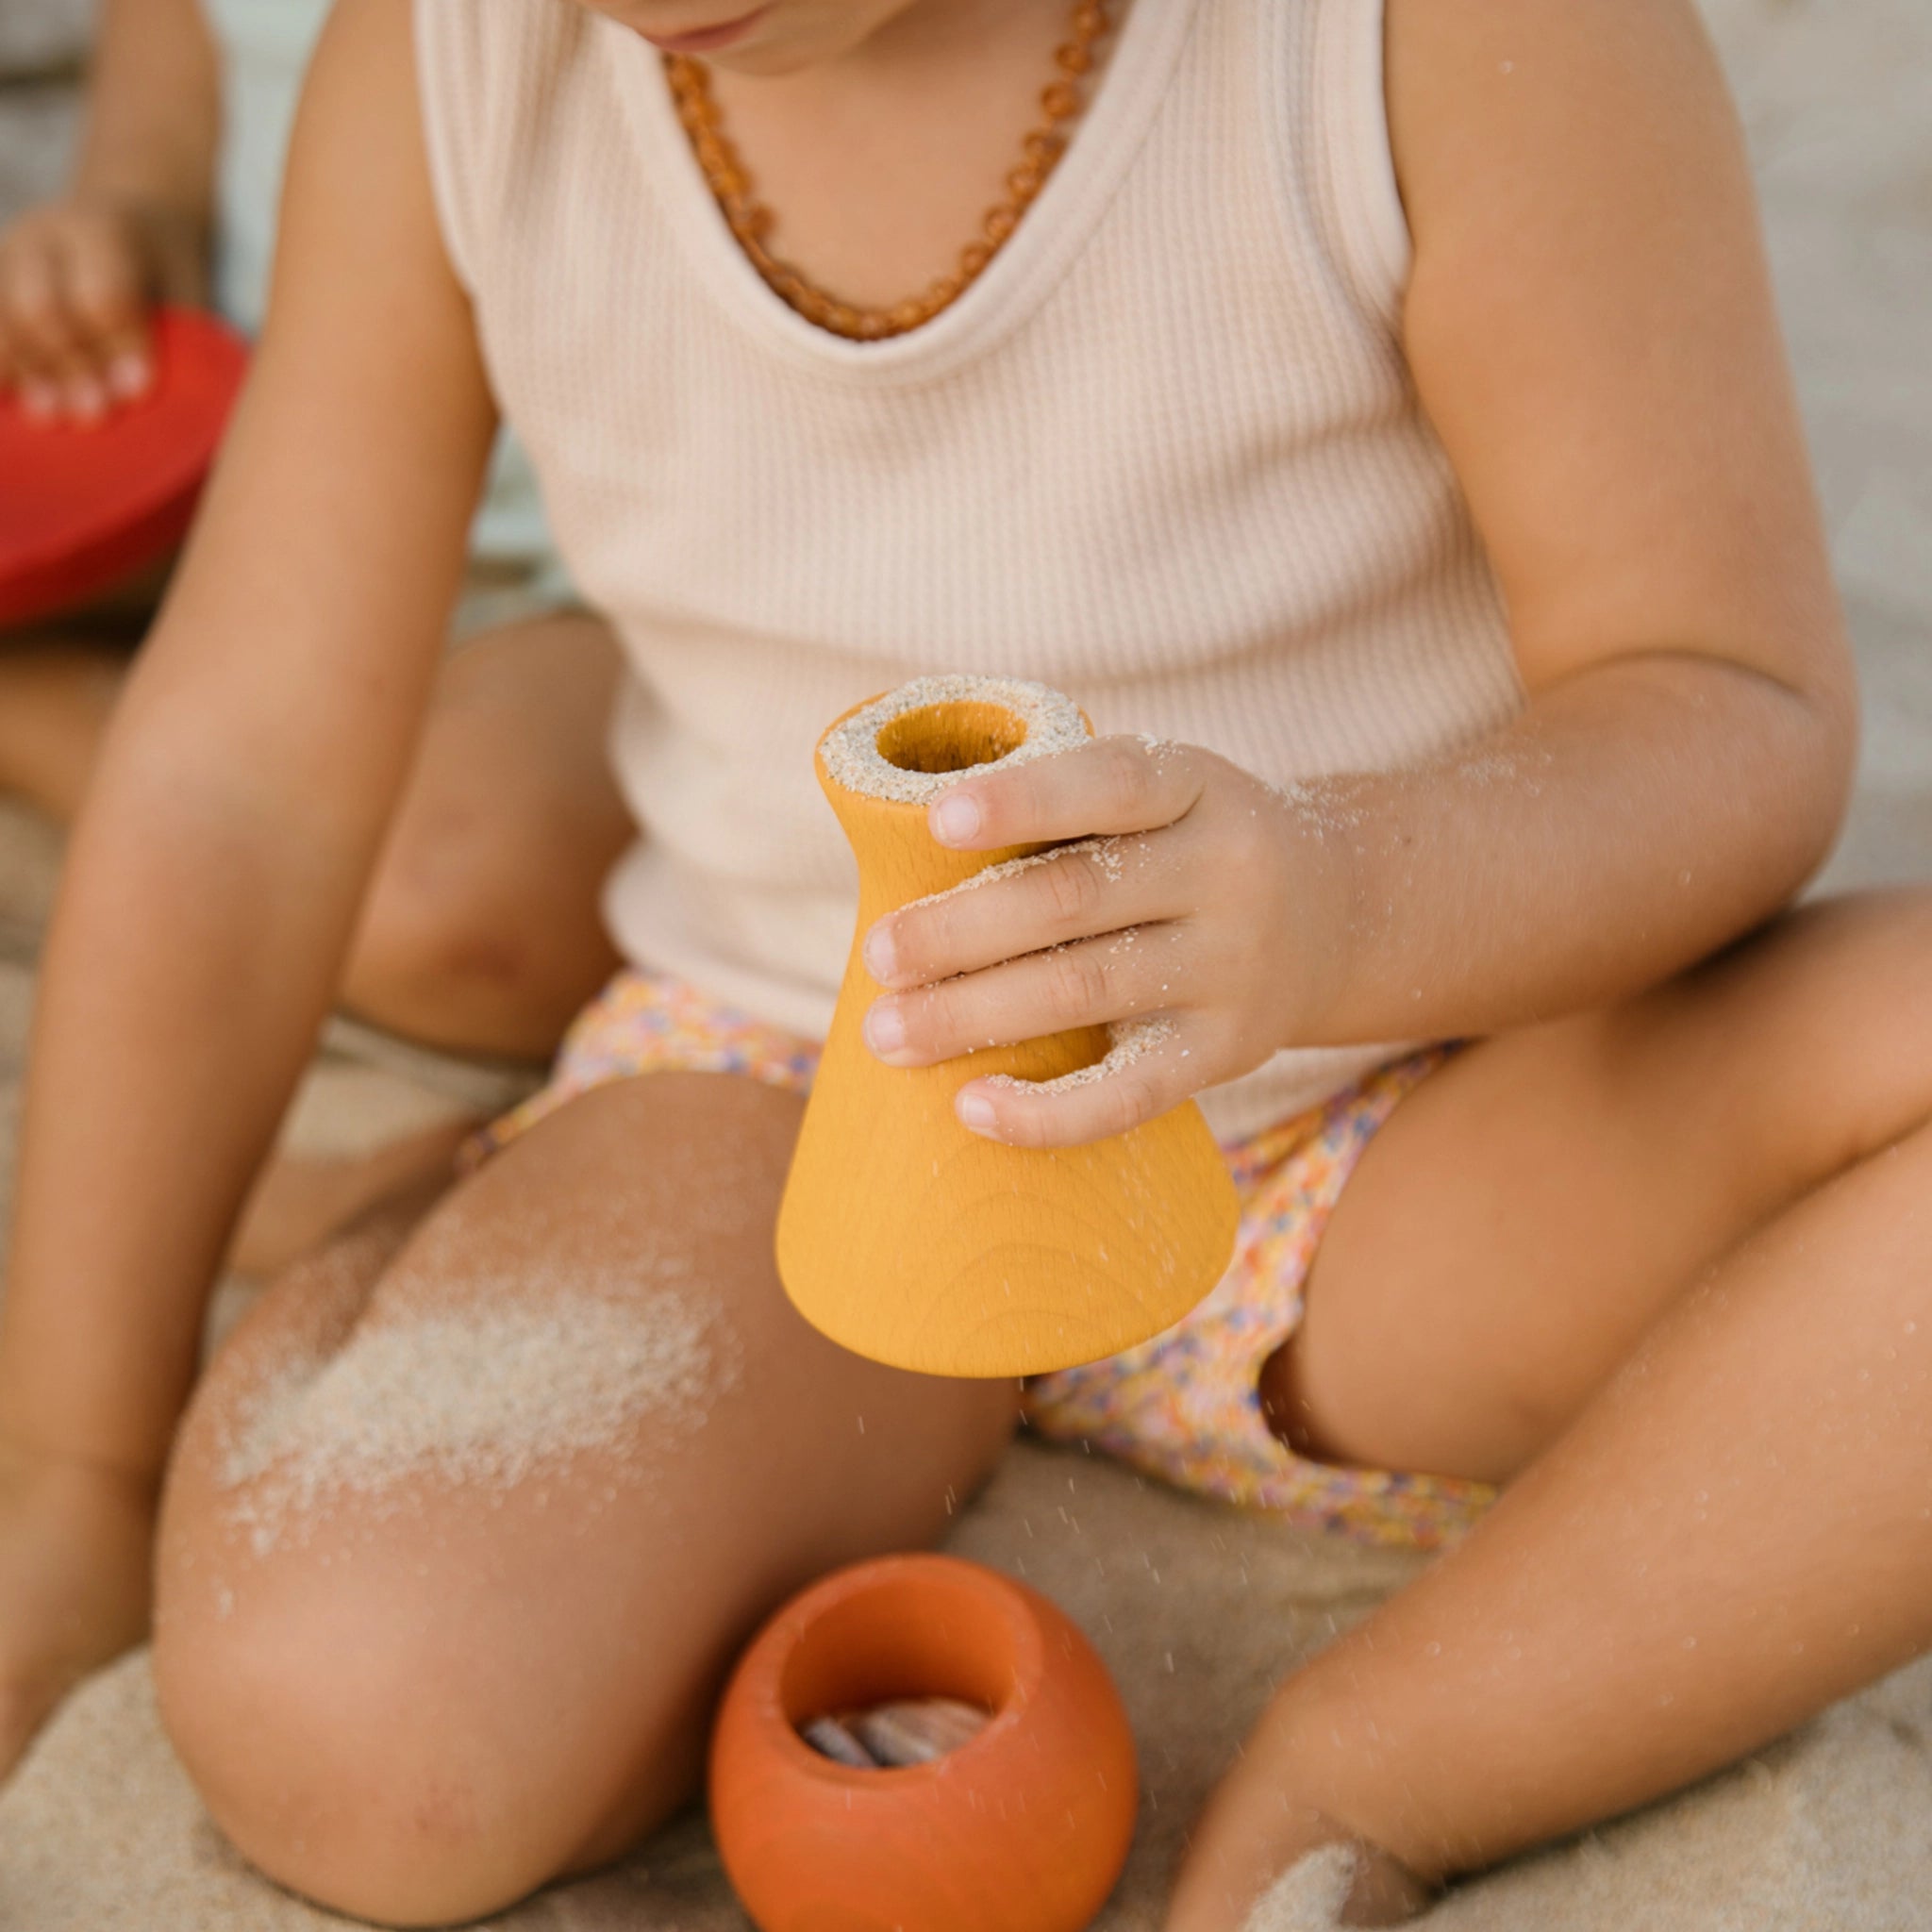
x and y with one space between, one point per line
777 39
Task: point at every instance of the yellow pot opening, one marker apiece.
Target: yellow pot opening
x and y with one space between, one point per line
953 736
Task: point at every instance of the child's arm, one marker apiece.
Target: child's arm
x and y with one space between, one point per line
76 275
246 783
1591 325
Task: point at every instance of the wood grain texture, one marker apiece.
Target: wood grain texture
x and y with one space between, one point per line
912 1241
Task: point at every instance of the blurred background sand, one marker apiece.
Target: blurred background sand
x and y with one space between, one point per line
1198 1612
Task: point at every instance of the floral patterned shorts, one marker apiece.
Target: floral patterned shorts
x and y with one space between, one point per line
1184 1407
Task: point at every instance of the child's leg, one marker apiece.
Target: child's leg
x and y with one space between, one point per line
482 931
56 694
421 1701
1736 1528
300 1200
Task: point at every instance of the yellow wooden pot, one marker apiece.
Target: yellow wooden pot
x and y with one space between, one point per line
903 1236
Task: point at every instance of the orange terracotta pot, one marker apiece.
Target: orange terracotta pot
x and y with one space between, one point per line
908 1239
1022 1829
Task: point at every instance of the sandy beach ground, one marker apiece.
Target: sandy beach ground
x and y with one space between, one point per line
1197 1610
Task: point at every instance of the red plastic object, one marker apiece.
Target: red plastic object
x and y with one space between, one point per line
1022 1829
82 508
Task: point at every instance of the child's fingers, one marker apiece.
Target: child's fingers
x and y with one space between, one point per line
34 326
72 327
1134 972
101 281
1109 785
1146 1081
1097 886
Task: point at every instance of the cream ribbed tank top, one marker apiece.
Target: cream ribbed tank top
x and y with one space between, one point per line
1163 454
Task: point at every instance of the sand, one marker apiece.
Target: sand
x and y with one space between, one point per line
490 1396
1106 853
854 759
1198 1612
1310 1897
1130 1040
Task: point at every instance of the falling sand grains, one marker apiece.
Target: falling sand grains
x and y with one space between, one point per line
489 1395
1048 723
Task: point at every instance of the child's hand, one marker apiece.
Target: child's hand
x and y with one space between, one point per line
75 1550
76 278
1178 909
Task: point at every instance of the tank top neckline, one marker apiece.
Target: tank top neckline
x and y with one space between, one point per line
1019 278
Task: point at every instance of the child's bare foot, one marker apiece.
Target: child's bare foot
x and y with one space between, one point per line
1276 1867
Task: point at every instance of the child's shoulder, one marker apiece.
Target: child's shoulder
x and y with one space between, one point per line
500 83
458 39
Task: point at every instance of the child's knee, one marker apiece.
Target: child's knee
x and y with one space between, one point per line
1861 995
438 922
1802 1051
474 936
347 1751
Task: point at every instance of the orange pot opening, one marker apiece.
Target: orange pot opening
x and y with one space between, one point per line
951 737
910 1637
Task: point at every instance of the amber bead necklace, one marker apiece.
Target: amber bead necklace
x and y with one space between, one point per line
751 221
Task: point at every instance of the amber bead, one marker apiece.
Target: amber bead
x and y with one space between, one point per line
1026 181
1072 57
1061 100
975 256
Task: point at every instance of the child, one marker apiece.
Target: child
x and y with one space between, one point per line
1403 444
511 819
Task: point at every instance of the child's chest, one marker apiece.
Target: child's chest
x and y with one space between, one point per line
877 177
1158 428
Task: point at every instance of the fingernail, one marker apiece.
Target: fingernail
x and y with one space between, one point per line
954 819
39 399
129 376
885 1027
86 400
974 1112
881 955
